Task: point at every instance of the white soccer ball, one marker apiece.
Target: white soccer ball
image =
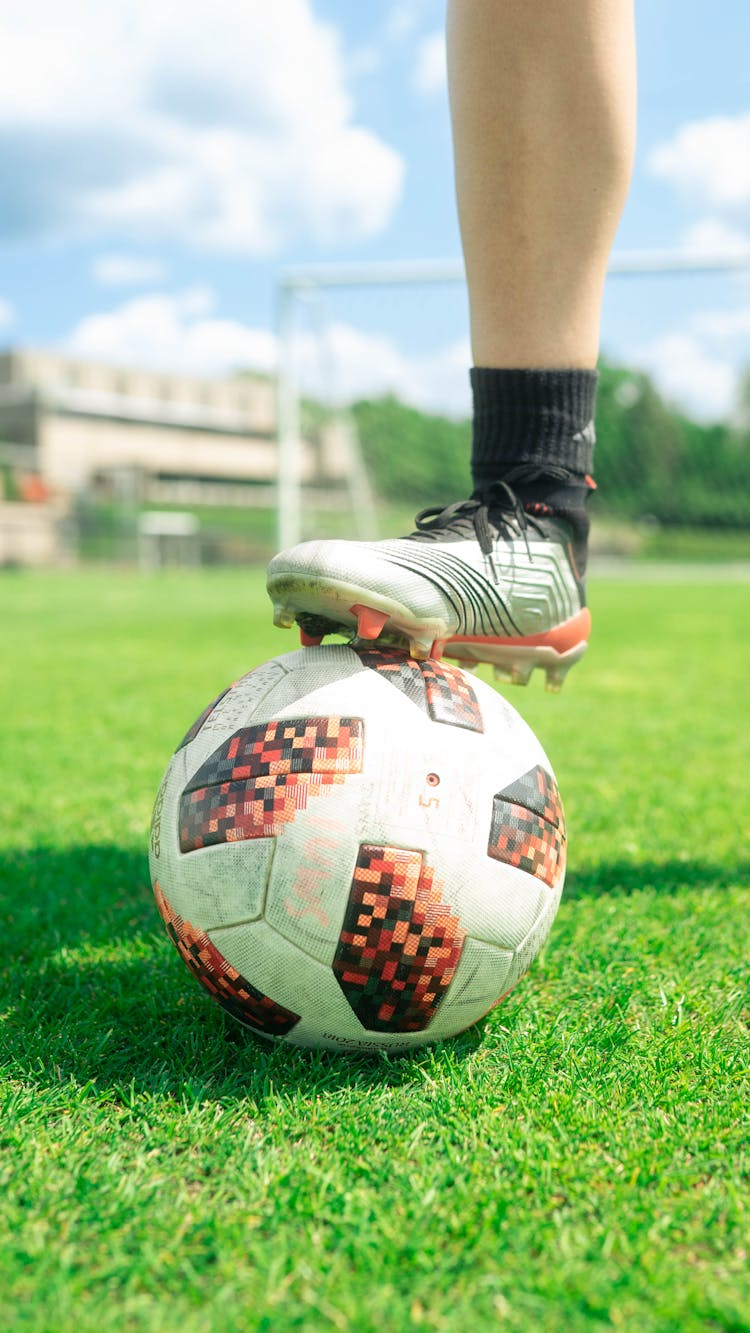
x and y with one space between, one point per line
351 849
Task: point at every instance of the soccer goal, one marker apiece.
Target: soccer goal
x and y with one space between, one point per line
674 404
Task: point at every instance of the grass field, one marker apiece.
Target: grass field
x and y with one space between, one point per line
577 1161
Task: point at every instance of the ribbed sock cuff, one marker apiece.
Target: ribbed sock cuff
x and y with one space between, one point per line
532 416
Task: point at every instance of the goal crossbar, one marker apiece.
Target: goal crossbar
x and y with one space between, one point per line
297 283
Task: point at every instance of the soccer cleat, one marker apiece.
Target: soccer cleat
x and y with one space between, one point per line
485 580
283 617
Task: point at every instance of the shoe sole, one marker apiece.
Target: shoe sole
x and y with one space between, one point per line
349 607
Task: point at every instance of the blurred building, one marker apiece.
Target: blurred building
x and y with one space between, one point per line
69 427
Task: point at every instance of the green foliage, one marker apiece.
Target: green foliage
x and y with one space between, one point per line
651 461
639 444
577 1161
412 456
8 483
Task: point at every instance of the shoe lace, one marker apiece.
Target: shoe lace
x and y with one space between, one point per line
494 510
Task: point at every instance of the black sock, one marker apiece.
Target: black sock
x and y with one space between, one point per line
540 418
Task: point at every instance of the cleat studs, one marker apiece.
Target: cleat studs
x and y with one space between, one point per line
437 649
520 673
420 649
503 673
309 640
283 617
555 678
369 622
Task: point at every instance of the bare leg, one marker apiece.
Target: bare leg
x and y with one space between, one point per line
543 103
543 106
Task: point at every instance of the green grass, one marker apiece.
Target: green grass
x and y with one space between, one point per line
577 1161
706 545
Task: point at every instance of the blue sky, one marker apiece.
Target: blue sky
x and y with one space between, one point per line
162 164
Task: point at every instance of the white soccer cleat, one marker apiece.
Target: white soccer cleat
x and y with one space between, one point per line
474 582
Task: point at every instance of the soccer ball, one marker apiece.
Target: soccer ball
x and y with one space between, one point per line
355 850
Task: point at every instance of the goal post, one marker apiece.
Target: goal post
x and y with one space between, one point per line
298 285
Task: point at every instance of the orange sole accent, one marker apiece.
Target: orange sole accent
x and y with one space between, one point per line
309 640
369 622
561 638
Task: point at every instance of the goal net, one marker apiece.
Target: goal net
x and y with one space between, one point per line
374 368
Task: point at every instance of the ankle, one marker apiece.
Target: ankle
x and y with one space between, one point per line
538 418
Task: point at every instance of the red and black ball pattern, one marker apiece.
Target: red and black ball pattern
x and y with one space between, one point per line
399 945
222 981
528 827
450 697
255 783
441 691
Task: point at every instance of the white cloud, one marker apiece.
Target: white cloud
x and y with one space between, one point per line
708 160
123 270
173 332
442 380
7 313
227 127
713 236
345 363
430 73
723 324
698 366
183 332
689 373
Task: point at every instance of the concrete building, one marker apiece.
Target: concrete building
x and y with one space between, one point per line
33 534
79 426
